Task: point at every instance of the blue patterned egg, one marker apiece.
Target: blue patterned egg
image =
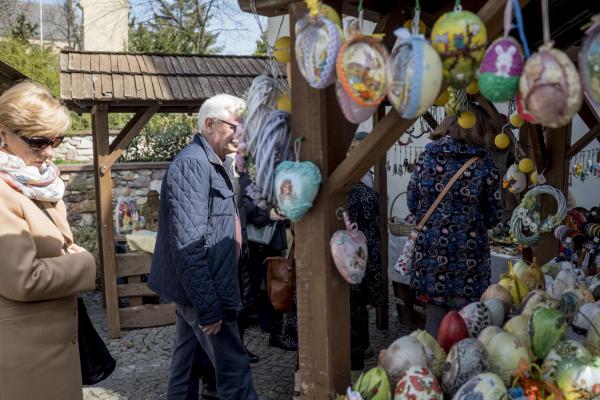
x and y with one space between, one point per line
485 386
466 359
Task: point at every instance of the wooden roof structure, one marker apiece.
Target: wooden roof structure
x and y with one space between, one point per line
179 83
322 295
9 76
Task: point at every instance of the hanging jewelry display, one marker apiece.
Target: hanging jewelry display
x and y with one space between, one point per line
414 72
526 224
460 37
502 64
318 41
589 61
549 88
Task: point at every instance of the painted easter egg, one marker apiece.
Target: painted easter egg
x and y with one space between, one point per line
373 384
418 383
486 335
579 379
466 359
495 291
297 185
547 327
349 253
352 111
565 349
402 354
485 386
452 330
477 316
583 320
318 41
460 38
496 311
519 326
506 352
501 69
550 88
589 63
361 69
414 75
536 299
436 356
592 340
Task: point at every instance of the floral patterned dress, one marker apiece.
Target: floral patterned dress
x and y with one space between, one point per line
452 254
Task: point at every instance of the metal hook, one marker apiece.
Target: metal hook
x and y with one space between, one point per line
339 213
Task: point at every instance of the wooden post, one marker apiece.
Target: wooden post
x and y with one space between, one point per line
104 217
382 320
323 296
557 175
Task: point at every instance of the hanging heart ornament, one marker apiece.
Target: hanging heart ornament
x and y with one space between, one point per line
296 185
349 252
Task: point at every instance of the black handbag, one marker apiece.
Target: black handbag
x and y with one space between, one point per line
96 361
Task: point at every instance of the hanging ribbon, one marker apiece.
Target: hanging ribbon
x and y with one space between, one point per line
520 28
508 15
545 21
297 145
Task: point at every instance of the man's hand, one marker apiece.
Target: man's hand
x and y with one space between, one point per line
212 329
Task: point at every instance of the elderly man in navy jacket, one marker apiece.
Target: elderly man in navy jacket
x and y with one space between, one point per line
196 255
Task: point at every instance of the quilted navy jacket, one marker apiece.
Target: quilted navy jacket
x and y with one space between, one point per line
195 258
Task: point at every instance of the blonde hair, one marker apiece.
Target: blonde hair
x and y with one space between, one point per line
28 109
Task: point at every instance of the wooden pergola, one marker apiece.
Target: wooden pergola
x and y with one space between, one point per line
323 306
100 83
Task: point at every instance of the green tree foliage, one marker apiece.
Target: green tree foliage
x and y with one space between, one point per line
23 30
177 26
40 64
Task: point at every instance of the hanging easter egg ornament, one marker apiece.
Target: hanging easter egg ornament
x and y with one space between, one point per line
360 69
467 119
353 112
526 165
516 120
549 87
329 12
282 49
460 38
318 41
589 62
414 74
296 184
502 65
514 180
349 252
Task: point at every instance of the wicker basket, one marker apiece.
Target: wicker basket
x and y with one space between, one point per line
396 226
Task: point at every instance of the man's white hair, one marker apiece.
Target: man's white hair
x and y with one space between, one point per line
221 106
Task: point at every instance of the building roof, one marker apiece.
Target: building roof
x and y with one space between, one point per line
178 82
9 76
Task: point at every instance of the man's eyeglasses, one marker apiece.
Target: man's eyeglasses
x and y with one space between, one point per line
40 143
232 126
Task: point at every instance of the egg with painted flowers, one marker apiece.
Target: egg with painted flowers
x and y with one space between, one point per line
418 383
566 349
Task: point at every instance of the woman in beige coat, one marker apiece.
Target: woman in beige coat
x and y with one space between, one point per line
41 269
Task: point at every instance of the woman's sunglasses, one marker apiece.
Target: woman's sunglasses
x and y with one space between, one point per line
40 143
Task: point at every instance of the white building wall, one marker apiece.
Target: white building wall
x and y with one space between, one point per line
105 25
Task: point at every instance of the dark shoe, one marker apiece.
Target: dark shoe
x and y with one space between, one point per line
252 358
282 343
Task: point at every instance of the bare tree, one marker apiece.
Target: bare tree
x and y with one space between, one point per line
8 15
67 23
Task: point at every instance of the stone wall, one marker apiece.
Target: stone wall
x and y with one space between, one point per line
77 147
129 179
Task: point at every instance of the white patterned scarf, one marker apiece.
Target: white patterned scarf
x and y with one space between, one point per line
38 184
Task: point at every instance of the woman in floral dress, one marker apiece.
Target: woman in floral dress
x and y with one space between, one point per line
452 255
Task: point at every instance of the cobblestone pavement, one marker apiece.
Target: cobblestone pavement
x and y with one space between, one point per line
143 357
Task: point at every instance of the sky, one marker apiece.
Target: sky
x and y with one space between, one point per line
239 31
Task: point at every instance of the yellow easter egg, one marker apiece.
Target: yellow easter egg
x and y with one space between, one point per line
526 165
442 98
330 13
534 178
466 119
422 26
284 103
502 141
516 120
282 49
472 88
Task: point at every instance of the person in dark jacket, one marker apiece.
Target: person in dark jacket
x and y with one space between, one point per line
452 256
196 254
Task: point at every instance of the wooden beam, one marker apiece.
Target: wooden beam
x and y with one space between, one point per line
557 175
104 213
535 136
592 134
123 140
322 294
372 148
381 186
147 315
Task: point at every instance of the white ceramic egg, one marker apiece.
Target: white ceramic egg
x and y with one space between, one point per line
476 316
514 180
486 335
586 314
565 349
402 354
564 280
436 356
506 352
496 311
466 359
485 386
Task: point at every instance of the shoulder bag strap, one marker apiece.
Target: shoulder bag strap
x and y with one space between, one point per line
445 191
